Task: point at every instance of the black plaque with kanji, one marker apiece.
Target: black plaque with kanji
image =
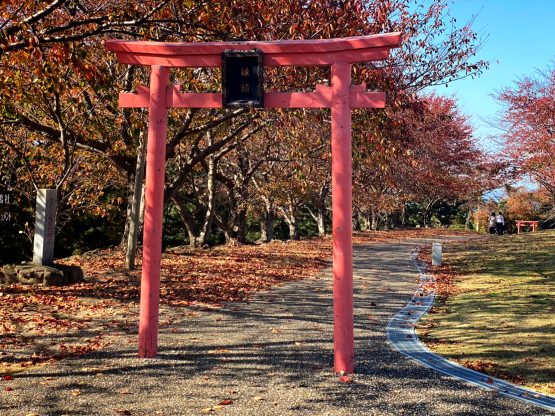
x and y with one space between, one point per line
242 78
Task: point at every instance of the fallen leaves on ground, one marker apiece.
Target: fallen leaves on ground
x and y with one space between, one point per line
106 303
445 278
493 369
218 406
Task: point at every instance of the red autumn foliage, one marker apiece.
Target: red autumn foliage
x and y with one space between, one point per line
530 127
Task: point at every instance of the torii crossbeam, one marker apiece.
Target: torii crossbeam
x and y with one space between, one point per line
340 96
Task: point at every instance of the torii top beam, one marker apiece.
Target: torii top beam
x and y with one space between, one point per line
317 52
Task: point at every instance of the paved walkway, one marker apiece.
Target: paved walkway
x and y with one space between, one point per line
272 356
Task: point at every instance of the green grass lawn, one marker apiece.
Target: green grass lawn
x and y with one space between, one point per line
500 317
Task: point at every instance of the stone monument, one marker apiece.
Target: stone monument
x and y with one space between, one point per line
45 226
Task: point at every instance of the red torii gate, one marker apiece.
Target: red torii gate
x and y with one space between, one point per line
340 97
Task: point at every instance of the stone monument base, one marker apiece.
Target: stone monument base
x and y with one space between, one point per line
32 274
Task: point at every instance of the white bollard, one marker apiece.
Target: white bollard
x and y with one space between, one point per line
436 254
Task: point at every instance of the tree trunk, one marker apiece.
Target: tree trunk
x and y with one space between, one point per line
267 223
364 220
318 216
239 226
293 228
322 197
468 218
320 221
211 190
355 221
427 212
141 216
373 220
189 224
266 228
136 206
289 216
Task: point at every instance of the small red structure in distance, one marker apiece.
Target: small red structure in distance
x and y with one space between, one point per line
523 223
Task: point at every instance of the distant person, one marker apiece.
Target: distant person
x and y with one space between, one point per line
492 223
500 223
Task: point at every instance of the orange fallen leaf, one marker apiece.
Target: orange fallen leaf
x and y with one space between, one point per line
8 389
8 378
75 392
345 379
225 402
219 351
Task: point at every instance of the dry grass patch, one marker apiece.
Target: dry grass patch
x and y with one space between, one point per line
500 316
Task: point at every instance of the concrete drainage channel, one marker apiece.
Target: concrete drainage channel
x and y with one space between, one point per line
401 336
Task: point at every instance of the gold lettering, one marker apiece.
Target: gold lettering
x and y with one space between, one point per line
245 71
245 88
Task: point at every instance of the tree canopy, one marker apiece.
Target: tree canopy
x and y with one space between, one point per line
60 126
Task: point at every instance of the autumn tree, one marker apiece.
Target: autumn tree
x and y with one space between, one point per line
61 93
528 123
445 157
528 204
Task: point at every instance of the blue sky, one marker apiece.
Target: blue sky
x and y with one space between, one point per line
520 39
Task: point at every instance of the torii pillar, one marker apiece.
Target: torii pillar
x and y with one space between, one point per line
341 97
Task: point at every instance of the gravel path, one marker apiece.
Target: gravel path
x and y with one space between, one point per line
272 356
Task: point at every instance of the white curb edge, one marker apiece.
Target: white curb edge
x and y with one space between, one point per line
401 336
